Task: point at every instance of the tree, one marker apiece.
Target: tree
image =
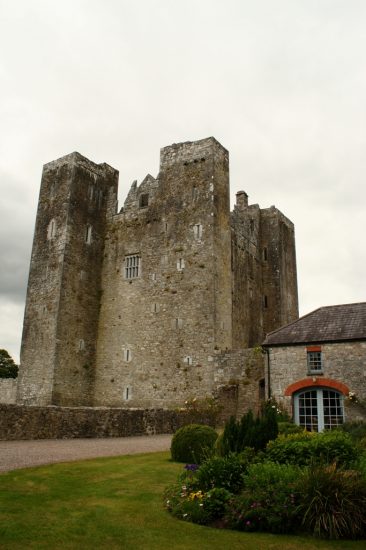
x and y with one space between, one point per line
8 368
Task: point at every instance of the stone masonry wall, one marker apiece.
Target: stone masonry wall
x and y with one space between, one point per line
243 369
158 331
264 272
207 282
57 360
342 362
23 422
8 390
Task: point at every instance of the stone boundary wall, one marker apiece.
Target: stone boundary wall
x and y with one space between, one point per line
30 422
8 390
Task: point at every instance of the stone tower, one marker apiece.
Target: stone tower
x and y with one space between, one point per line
62 307
160 325
161 301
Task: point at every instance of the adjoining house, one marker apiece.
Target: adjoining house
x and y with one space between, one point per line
316 366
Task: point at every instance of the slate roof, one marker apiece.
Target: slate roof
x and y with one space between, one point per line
326 324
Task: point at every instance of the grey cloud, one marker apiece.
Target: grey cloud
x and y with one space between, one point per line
280 84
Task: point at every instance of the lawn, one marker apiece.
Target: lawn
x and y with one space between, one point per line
115 503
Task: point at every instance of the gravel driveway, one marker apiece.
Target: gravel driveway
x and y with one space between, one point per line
24 454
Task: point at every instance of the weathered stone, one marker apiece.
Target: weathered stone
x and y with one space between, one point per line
8 390
161 301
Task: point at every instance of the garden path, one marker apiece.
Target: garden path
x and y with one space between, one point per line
25 454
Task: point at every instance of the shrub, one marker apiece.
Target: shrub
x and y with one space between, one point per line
302 449
285 428
336 446
215 502
193 443
333 502
249 432
269 501
356 429
223 472
270 473
361 466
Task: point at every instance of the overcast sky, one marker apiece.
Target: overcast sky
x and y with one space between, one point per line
280 83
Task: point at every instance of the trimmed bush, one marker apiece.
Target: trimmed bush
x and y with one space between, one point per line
333 502
193 443
302 449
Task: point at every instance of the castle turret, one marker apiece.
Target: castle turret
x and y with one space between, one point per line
57 364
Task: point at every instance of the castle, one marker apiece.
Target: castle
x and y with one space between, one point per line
161 301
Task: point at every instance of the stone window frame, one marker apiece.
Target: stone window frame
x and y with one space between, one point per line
181 264
198 231
144 200
91 192
132 266
88 234
127 355
51 230
127 393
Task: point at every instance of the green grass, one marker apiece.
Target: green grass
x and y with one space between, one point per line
115 503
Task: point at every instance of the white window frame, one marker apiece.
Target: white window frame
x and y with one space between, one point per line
314 361
319 423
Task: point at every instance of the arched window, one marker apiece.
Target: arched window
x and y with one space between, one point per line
318 409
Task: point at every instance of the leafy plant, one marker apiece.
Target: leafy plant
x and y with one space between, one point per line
356 429
224 472
193 443
269 501
285 428
305 447
333 502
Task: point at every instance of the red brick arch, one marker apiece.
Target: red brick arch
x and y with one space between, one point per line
318 382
